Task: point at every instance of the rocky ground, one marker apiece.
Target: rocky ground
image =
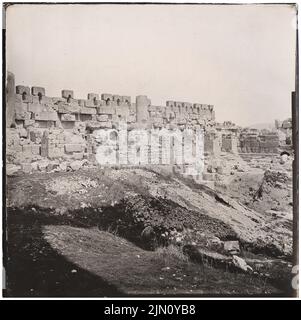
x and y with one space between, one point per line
81 231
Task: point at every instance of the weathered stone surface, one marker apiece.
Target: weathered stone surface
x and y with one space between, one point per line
84 110
241 264
55 152
38 91
92 96
29 123
42 165
67 94
82 102
45 116
68 117
170 103
63 166
47 101
76 165
78 155
103 117
21 111
106 96
90 104
35 107
36 149
107 124
68 108
105 110
22 90
126 99
23 133
73 147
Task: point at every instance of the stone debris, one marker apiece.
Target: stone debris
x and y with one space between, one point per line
231 247
76 165
241 264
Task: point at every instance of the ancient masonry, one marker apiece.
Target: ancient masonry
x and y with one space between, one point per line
40 127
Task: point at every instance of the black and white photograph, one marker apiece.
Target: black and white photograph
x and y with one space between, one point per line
150 150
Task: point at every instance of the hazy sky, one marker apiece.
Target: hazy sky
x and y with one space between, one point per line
238 58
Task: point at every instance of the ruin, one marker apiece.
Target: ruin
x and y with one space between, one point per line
63 128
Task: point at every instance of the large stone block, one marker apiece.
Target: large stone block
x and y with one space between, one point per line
105 110
35 135
117 99
131 118
82 102
78 155
21 112
55 152
36 149
23 133
68 117
38 91
67 94
126 99
102 117
170 103
27 150
28 123
68 108
46 100
122 111
93 96
20 107
106 96
56 100
35 107
85 110
106 125
45 116
71 147
23 90
93 125
27 99
90 104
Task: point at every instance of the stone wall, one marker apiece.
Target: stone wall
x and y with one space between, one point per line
62 128
258 142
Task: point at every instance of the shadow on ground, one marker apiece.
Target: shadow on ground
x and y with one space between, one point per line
35 269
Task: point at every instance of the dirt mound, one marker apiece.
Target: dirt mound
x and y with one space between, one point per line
134 215
133 199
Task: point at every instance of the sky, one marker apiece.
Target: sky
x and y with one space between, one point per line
239 58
